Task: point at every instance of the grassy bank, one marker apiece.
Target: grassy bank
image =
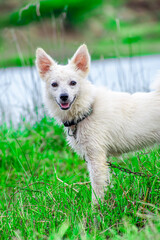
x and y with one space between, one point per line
130 41
46 194
113 30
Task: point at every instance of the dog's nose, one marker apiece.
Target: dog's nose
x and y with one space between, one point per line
64 97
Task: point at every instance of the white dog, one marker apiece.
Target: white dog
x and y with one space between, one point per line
99 122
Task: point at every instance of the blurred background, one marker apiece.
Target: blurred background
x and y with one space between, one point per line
123 37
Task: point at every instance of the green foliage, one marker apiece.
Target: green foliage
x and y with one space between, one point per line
45 192
75 10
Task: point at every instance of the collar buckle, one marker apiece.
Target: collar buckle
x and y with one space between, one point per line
74 131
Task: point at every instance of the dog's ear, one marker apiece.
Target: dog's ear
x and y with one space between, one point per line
81 59
43 62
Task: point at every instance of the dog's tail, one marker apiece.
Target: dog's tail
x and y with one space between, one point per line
156 83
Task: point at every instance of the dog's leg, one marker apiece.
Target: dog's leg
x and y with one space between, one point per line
99 174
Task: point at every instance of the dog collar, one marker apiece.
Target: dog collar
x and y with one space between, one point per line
74 123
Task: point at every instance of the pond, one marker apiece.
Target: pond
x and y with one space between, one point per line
21 88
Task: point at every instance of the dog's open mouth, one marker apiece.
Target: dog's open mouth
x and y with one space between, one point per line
64 106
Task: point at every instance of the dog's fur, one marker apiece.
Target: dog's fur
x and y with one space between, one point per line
119 122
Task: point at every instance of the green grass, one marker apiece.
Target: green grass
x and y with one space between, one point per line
42 196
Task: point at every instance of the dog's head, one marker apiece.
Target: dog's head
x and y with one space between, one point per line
63 81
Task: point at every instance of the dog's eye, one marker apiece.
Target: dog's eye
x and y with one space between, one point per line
72 83
54 84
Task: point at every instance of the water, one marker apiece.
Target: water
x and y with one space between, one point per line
126 74
21 88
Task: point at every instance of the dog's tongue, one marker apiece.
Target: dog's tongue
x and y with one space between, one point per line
65 105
